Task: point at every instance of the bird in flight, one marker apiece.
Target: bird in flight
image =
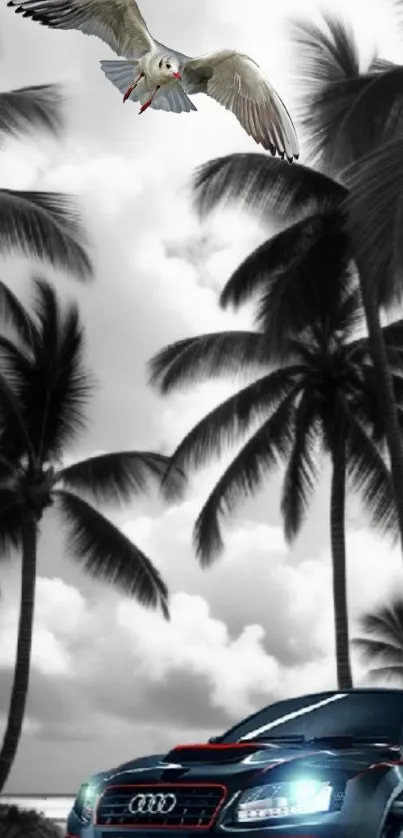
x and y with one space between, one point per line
162 78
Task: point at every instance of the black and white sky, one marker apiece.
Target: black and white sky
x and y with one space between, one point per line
110 680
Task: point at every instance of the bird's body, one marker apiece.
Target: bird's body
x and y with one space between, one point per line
162 78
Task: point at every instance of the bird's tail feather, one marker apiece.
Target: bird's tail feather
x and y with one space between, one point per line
122 74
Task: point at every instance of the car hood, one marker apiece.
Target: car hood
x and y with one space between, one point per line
237 764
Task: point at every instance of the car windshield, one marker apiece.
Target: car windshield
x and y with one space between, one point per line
358 714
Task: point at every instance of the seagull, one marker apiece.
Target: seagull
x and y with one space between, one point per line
162 78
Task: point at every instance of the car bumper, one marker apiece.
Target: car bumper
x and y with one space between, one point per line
327 827
317 831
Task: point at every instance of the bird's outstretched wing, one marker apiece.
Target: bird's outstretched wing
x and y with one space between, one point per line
119 23
237 82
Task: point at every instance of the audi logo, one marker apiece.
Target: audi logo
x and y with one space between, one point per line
152 804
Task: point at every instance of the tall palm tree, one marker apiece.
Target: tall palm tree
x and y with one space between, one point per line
349 114
44 225
381 640
337 211
320 399
44 392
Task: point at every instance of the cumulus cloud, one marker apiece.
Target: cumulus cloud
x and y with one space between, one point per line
132 684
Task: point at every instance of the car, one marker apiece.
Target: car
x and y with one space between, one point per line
328 764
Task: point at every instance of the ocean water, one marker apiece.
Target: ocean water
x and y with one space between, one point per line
54 806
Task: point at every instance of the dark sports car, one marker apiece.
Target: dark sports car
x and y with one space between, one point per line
329 765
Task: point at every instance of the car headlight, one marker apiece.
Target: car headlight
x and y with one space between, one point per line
282 800
85 801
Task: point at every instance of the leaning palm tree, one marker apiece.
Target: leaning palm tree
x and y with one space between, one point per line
44 392
381 641
43 225
321 398
335 211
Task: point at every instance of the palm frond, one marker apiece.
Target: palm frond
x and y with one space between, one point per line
29 108
363 398
14 314
397 7
302 472
370 477
393 334
15 371
349 313
259 457
228 423
14 430
47 312
325 54
206 356
374 221
378 650
108 555
385 623
344 114
309 292
116 477
385 674
15 362
359 349
46 226
11 521
272 259
381 640
263 186
59 386
381 65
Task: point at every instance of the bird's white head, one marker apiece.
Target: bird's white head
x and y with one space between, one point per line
169 67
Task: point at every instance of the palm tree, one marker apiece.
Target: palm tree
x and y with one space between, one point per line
44 225
341 213
44 392
381 640
348 116
319 398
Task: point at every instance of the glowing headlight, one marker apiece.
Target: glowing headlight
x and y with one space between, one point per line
282 800
85 801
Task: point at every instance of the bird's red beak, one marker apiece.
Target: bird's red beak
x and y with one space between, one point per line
177 76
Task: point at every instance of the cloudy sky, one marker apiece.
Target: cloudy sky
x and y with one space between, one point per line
109 680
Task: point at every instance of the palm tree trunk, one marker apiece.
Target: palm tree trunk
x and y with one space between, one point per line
386 397
19 690
338 542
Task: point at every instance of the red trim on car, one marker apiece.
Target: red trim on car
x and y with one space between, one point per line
164 785
383 764
217 746
376 765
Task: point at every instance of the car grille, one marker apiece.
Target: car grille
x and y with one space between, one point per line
195 806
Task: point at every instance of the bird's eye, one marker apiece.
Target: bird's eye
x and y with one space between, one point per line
168 66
